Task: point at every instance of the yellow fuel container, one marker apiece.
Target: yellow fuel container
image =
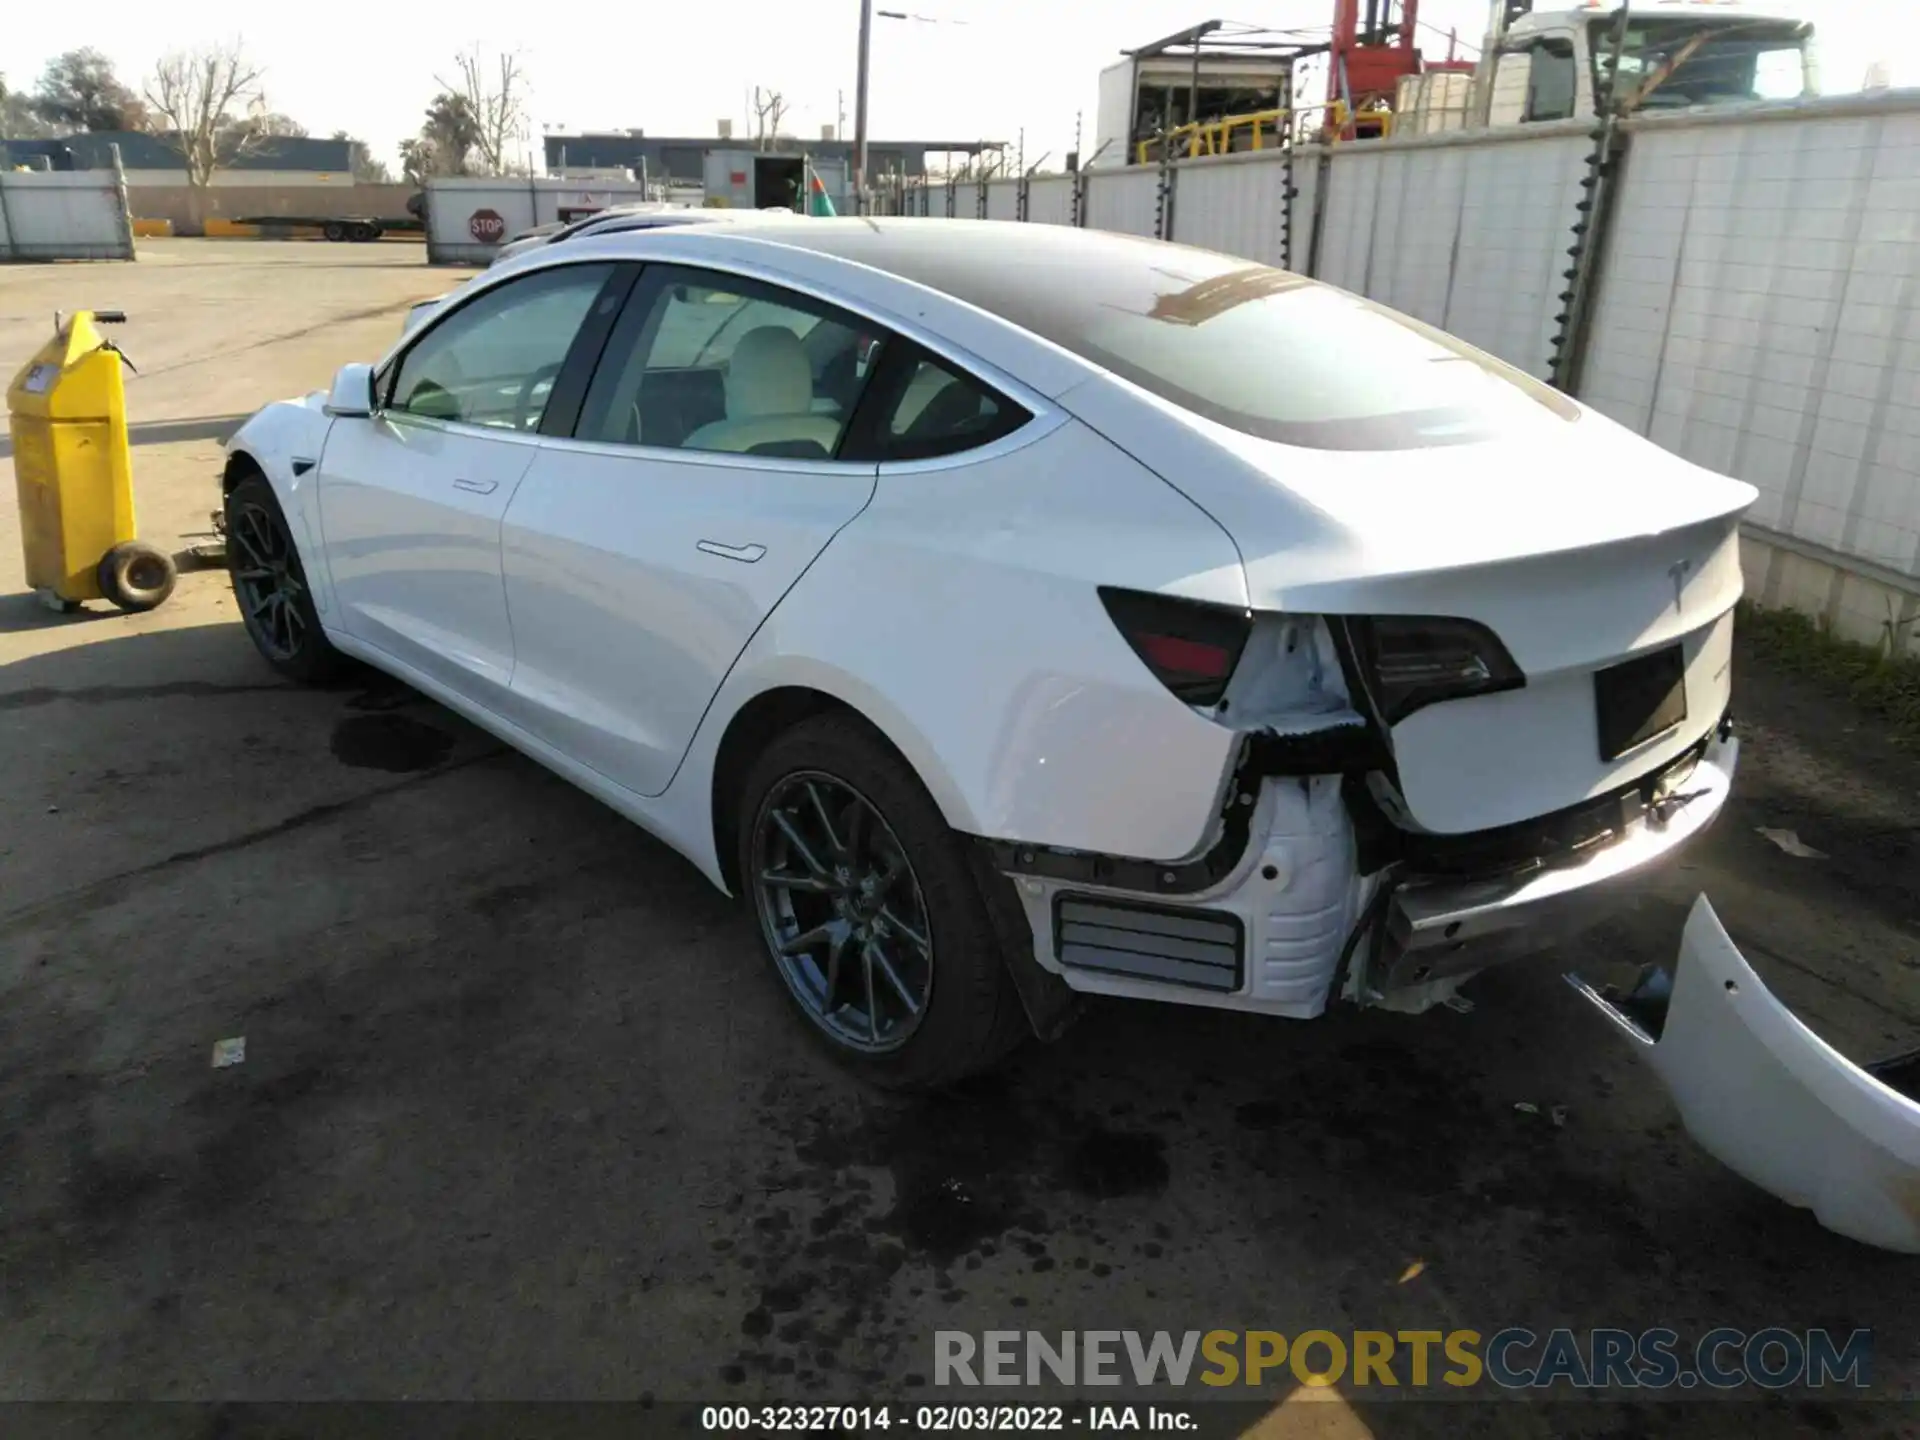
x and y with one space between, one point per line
67 411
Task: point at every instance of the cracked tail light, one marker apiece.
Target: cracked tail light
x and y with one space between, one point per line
1413 661
1190 647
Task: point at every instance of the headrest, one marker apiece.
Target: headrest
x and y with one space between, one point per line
769 375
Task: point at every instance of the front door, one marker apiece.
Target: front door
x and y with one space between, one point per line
643 552
411 497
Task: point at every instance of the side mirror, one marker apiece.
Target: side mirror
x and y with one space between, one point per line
352 394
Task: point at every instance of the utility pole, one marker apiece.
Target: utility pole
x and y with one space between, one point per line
860 111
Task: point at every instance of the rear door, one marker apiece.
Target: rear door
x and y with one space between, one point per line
411 497
643 551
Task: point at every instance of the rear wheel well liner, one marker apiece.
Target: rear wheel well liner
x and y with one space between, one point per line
240 465
752 728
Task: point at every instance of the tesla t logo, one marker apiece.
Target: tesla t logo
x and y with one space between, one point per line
1678 572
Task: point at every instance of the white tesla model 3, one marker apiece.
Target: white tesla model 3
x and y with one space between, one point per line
1012 611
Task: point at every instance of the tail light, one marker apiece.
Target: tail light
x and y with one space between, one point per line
1412 661
1190 647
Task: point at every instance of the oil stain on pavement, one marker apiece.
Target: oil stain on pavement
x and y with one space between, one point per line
389 741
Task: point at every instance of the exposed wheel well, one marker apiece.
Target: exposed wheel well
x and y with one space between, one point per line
759 720
240 466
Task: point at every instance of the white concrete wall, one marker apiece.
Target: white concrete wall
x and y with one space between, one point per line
1003 200
1235 204
63 215
1759 313
1050 200
1468 234
1122 200
520 202
136 179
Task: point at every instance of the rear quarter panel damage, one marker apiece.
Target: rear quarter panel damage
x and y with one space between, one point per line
960 615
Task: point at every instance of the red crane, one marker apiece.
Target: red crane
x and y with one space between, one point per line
1372 50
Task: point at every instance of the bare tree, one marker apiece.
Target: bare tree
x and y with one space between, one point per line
496 104
768 108
192 96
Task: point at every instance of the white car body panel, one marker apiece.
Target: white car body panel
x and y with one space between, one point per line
1573 569
411 512
616 639
705 545
1079 708
1834 1139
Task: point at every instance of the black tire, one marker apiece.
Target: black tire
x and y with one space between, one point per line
970 1015
136 576
280 618
363 232
334 231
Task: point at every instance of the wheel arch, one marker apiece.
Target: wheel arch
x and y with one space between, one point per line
777 708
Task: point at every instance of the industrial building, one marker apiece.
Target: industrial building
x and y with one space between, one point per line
740 171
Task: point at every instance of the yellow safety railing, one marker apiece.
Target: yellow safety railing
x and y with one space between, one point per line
1260 130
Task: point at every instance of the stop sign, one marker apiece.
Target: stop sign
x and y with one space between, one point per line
486 226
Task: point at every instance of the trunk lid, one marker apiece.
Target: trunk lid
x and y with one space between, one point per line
1579 545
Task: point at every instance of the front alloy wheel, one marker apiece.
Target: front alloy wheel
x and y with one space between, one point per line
842 912
267 580
270 587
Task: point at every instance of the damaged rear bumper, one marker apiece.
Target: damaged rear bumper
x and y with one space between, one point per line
1437 929
1770 1099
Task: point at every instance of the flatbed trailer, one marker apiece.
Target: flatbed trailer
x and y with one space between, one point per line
359 228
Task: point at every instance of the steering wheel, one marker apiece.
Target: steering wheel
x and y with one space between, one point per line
523 403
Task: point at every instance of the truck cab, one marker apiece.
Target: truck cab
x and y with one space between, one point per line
1677 54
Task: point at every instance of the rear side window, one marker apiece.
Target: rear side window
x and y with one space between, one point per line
927 408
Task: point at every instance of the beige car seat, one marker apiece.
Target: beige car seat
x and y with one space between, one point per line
769 392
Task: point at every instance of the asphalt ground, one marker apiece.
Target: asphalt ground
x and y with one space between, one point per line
523 1114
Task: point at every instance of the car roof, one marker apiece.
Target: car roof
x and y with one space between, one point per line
1032 275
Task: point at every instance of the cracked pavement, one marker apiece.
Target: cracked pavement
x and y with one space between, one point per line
522 1115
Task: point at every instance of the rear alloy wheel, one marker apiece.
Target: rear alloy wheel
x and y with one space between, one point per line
270 587
868 909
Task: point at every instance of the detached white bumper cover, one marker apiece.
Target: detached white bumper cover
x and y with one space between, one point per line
1772 1100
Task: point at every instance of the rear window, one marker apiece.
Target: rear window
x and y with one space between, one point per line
1283 358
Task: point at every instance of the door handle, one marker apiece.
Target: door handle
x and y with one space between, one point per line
746 554
478 487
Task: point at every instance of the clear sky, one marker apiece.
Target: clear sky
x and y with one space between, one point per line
973 69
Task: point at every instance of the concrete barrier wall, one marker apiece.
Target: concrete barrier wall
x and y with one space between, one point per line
188 212
1469 235
1122 200
1003 199
63 215
1759 313
1050 200
521 203
1236 204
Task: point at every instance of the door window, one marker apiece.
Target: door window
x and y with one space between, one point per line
1551 85
494 362
702 361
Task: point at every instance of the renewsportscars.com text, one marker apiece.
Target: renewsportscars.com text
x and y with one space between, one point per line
1513 1358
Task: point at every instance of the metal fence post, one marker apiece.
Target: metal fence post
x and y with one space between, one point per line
1022 198
8 245
950 195
1163 192
125 204
980 197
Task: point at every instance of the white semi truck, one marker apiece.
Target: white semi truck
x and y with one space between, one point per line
1673 54
1549 62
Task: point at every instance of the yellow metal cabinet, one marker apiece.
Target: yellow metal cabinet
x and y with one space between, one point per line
68 413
